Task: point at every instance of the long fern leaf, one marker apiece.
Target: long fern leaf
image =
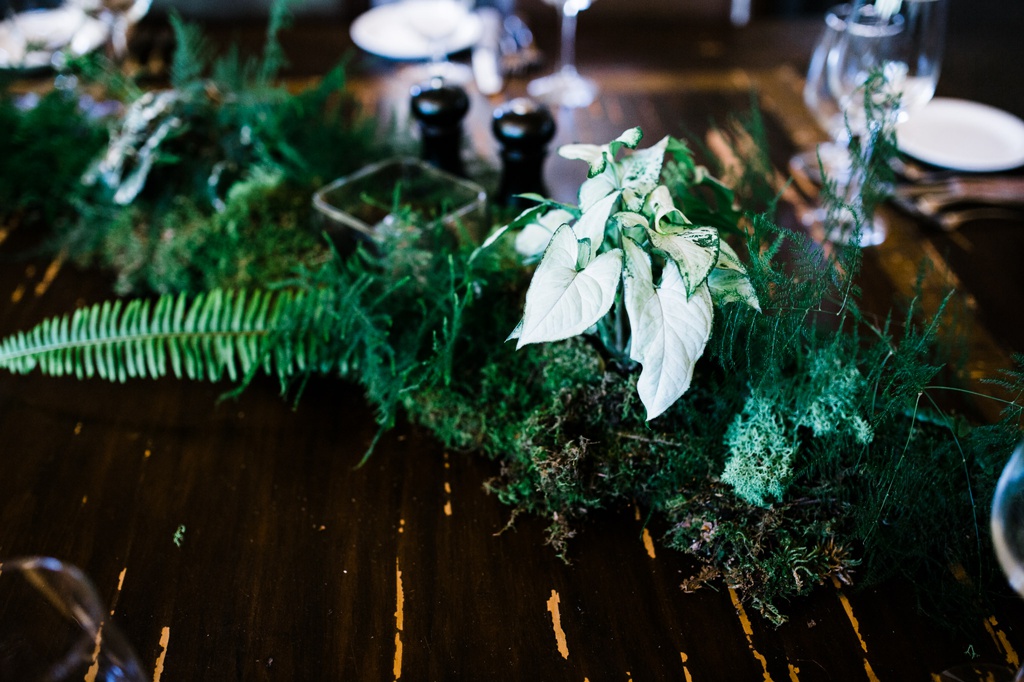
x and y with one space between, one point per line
215 334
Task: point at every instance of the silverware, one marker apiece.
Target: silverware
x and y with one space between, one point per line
932 199
914 172
951 221
998 191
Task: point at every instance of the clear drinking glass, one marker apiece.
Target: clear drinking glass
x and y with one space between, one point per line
903 39
822 104
120 16
53 627
870 42
864 48
1008 520
917 55
817 96
565 87
1007 524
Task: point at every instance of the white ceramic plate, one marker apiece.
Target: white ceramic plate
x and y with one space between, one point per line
385 31
963 135
29 40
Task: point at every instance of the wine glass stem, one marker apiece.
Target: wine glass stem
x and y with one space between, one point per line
567 56
437 55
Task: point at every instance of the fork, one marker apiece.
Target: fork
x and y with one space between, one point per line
951 221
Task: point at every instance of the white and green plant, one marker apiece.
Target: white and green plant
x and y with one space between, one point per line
629 229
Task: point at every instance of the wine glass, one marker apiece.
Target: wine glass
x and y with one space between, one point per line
822 104
832 158
907 44
565 87
868 44
1007 524
905 40
437 22
115 18
53 626
119 16
864 49
917 55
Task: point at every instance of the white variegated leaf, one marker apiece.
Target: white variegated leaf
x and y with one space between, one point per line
599 156
660 204
516 333
534 237
591 224
732 286
668 370
640 174
492 238
598 187
632 225
632 200
626 220
584 253
670 329
596 156
694 250
533 196
630 138
637 288
728 259
563 301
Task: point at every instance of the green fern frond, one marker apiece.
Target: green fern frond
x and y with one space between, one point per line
192 55
213 335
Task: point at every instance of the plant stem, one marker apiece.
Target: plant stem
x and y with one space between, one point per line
620 332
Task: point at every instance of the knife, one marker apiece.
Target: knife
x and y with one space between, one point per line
930 200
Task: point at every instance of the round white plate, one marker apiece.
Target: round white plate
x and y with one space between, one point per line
963 135
29 40
385 31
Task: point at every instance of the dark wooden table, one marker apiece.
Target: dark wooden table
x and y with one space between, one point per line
236 540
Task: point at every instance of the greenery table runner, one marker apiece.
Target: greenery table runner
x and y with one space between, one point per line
661 341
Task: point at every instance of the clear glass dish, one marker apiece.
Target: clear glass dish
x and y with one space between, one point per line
401 193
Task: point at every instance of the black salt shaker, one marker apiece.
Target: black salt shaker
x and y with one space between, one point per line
439 108
523 128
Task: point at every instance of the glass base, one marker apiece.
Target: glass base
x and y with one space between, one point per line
982 672
842 233
451 73
834 157
870 235
565 88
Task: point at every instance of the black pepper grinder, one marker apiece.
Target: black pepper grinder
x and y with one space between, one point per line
439 108
523 128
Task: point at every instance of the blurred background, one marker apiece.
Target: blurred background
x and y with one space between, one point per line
983 55
983 46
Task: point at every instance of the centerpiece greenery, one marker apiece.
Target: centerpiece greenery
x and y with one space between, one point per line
734 391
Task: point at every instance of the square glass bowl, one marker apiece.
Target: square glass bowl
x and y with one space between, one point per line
401 193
